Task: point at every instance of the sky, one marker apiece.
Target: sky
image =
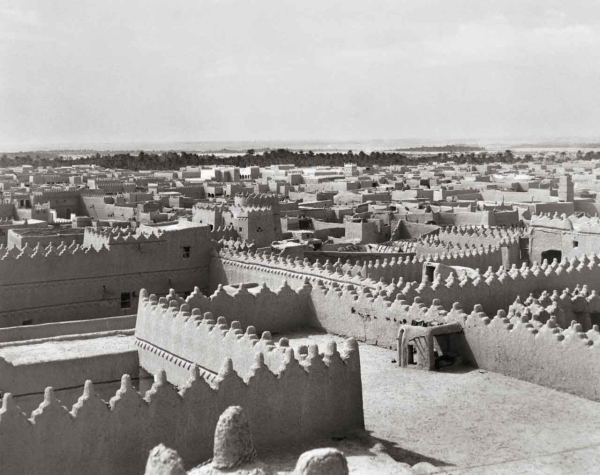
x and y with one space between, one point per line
202 70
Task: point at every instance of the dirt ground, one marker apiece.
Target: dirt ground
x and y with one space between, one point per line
469 421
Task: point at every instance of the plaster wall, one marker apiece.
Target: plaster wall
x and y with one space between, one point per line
32 379
279 310
566 361
570 243
7 210
33 332
317 396
206 340
368 232
83 282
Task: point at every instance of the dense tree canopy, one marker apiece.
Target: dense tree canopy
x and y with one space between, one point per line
176 160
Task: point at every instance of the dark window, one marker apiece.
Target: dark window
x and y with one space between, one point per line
125 299
27 322
430 273
187 250
412 353
552 254
575 243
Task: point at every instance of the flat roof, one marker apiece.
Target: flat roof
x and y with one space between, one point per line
48 231
63 349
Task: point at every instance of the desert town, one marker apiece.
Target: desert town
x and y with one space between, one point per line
415 319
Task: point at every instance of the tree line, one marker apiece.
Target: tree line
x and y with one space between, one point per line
177 160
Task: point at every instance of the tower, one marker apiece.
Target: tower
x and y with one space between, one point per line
565 188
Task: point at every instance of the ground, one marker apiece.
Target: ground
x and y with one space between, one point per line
472 421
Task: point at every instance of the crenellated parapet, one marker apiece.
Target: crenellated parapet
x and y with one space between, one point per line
98 237
110 266
195 337
480 235
245 200
579 305
8 255
225 233
235 244
249 212
514 343
259 266
493 286
565 360
56 192
316 395
280 310
212 206
582 224
361 272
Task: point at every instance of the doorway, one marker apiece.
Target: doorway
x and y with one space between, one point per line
552 254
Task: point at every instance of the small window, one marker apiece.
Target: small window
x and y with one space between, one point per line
187 250
575 243
125 299
27 322
240 229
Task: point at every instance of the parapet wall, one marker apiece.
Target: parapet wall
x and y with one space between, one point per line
497 290
231 267
478 235
565 360
76 282
493 289
168 325
307 399
541 353
279 311
256 199
224 233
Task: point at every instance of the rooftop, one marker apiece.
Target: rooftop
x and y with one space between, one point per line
60 349
48 231
473 421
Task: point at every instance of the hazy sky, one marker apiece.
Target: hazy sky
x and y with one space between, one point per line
83 71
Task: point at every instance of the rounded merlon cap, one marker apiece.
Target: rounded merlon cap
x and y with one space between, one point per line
164 461
324 461
233 440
